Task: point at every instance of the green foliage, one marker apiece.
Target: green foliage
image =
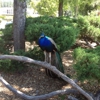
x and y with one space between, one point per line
63 30
7 18
18 66
94 30
4 63
62 97
83 24
7 32
86 6
50 7
87 63
33 4
94 21
12 66
89 27
2 45
36 54
6 38
45 7
82 6
2 17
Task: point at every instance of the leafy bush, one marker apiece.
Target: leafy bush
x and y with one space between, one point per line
18 66
6 38
7 32
2 45
35 53
87 63
12 66
63 30
89 27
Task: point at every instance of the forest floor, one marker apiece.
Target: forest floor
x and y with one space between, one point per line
35 81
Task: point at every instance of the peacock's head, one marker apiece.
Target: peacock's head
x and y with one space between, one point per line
42 35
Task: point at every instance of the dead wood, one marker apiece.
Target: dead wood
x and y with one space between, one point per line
48 66
40 97
72 98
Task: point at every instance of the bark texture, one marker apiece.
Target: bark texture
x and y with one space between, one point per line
19 24
60 8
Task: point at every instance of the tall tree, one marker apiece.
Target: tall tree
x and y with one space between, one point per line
48 7
19 24
81 6
74 5
60 8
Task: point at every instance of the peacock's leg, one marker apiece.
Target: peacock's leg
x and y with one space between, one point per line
50 57
45 55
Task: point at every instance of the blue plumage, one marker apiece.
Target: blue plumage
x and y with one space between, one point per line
48 45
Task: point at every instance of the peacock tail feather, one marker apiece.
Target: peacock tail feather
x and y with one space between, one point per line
59 64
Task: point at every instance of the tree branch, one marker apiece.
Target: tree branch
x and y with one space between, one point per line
46 65
89 44
71 98
41 97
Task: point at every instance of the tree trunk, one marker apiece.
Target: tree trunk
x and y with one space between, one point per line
60 8
76 11
19 24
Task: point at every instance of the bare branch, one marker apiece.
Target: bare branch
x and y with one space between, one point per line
52 68
89 44
71 98
45 96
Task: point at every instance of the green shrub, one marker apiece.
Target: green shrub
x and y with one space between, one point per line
63 30
36 53
18 66
2 42
89 27
95 21
12 66
87 63
7 32
83 24
6 39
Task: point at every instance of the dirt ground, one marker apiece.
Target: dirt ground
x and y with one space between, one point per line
35 81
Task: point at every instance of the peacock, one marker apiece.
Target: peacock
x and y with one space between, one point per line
49 47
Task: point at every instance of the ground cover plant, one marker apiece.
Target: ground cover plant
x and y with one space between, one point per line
87 64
